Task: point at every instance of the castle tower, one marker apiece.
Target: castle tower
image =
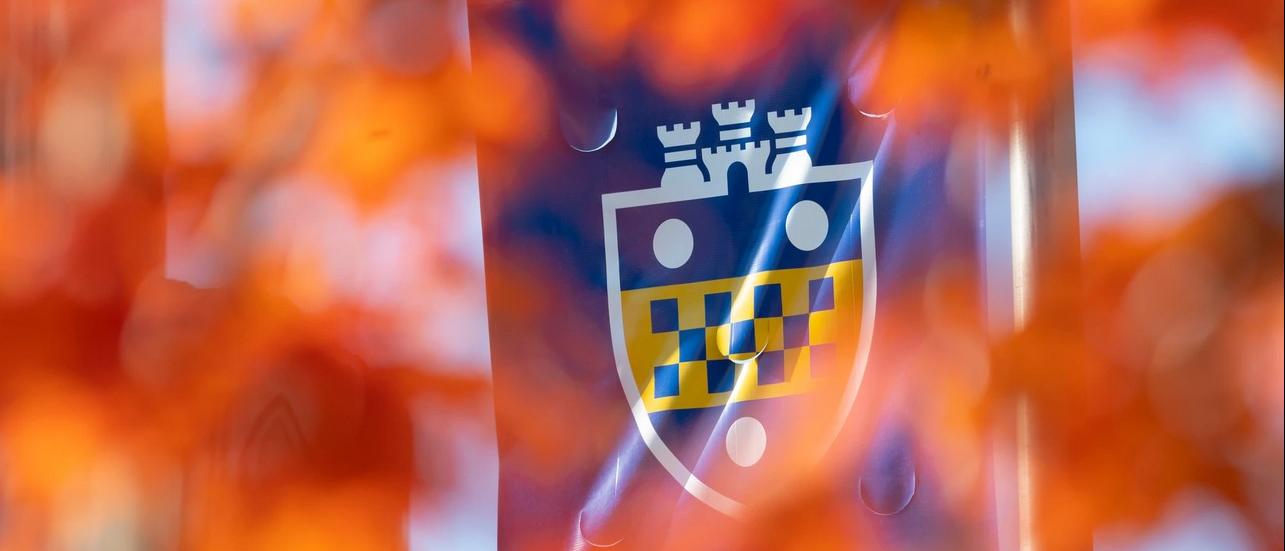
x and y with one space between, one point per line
679 141
736 145
733 120
792 162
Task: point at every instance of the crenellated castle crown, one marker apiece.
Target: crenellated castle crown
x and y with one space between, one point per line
788 152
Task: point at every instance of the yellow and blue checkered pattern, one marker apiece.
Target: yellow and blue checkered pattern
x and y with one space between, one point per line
775 331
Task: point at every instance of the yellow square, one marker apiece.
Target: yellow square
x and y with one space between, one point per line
718 341
691 376
796 364
794 294
665 346
691 309
821 327
767 334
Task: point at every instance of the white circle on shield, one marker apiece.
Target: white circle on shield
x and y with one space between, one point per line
672 243
746 441
806 225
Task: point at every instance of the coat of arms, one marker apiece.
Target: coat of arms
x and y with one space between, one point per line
741 296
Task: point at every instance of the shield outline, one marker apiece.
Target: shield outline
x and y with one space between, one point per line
611 202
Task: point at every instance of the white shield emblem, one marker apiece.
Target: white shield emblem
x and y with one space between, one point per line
741 309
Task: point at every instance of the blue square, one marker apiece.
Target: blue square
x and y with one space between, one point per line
743 337
771 366
795 330
666 381
767 300
691 345
720 375
822 360
664 315
821 294
718 309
